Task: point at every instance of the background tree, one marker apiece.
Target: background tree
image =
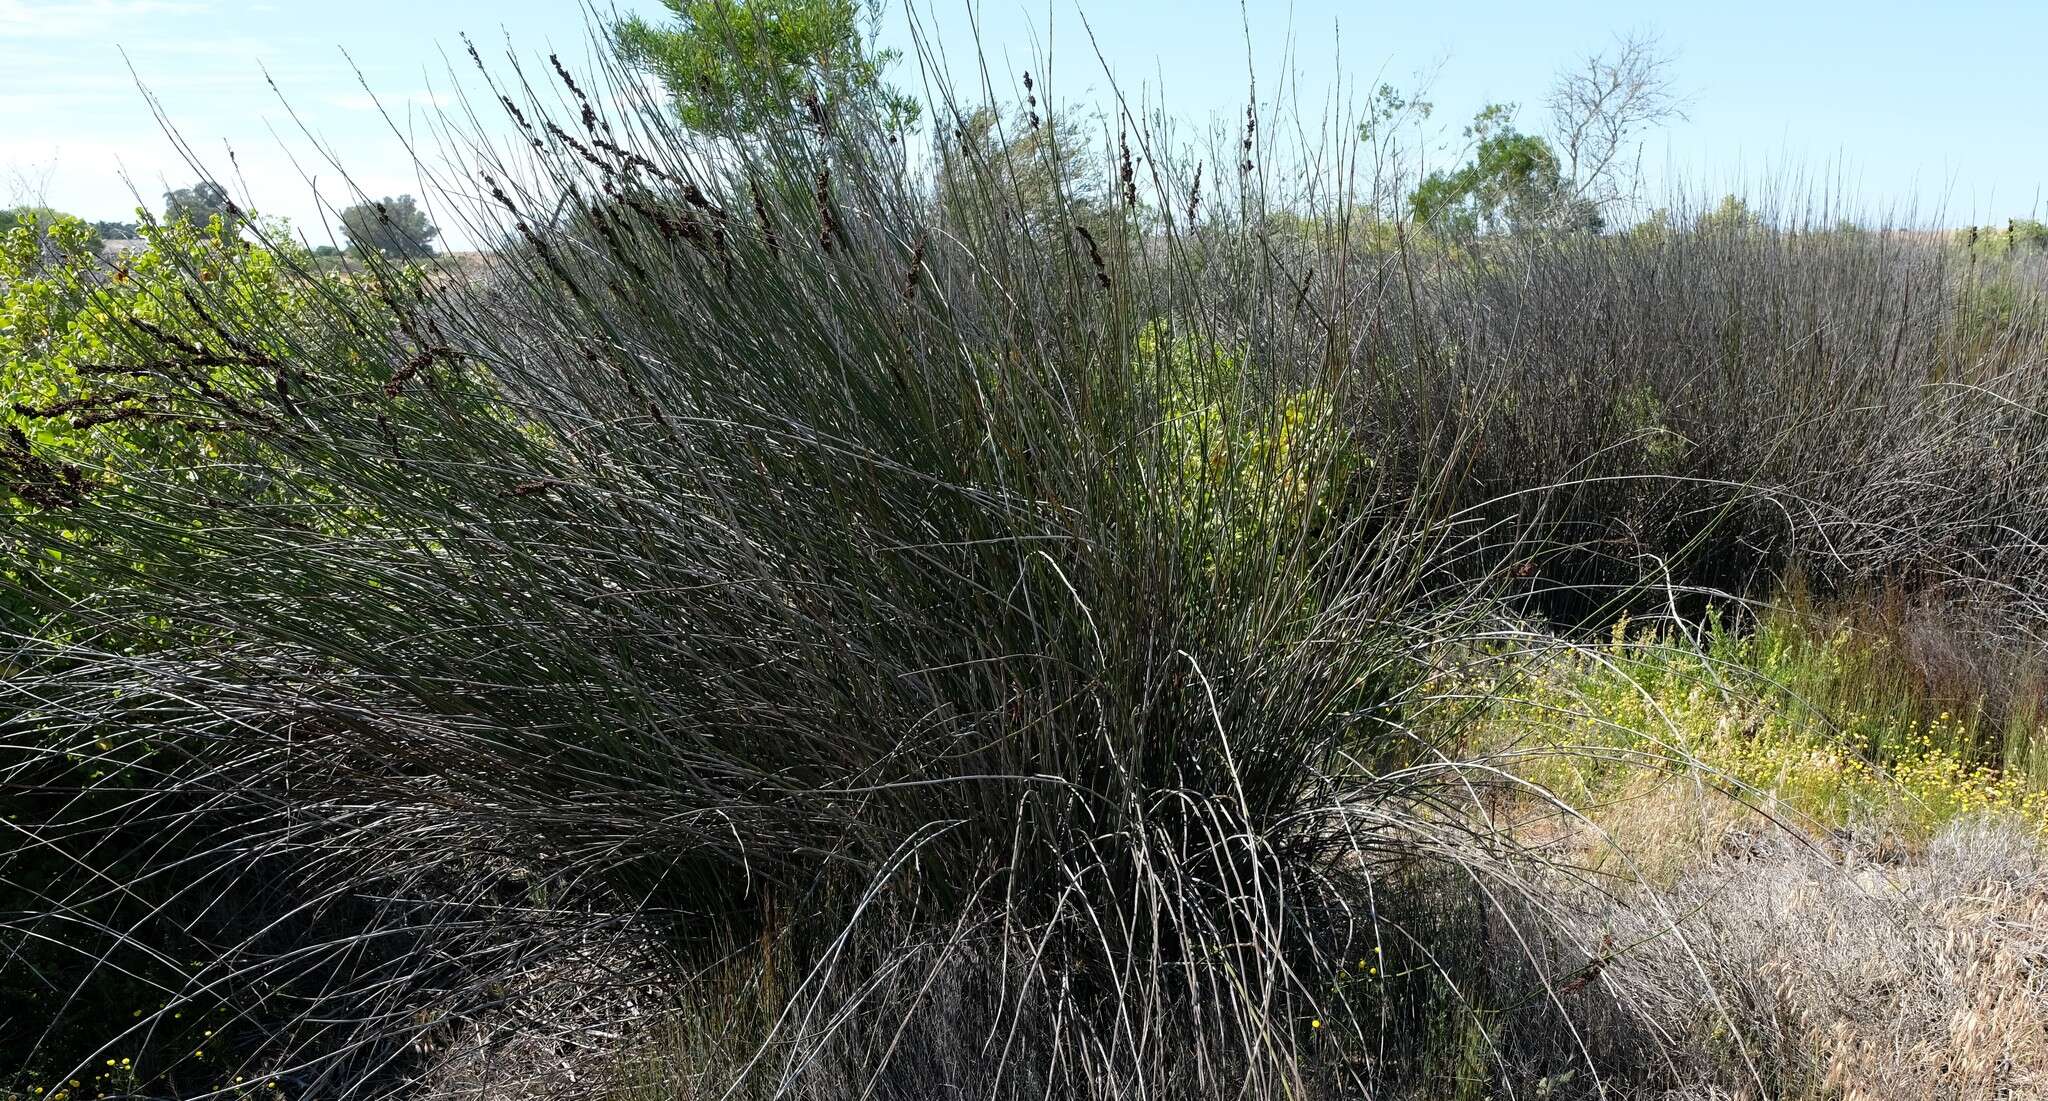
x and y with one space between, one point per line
1043 169
396 228
1730 216
1387 111
739 67
1600 109
1513 182
200 202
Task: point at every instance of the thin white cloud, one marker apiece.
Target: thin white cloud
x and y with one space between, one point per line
83 18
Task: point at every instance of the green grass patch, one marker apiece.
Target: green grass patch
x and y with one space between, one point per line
1804 712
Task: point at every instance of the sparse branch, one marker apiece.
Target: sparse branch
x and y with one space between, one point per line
1604 105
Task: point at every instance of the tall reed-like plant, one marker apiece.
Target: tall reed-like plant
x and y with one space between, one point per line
1724 402
802 590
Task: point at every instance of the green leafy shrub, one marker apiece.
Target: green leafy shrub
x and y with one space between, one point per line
100 358
123 376
153 365
1239 439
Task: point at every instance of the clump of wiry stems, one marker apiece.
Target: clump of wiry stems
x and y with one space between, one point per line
820 596
1727 401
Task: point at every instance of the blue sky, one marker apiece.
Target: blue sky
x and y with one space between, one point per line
1935 116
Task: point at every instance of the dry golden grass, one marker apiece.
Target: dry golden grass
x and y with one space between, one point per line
1796 968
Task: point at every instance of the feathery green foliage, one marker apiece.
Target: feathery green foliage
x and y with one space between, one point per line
742 67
